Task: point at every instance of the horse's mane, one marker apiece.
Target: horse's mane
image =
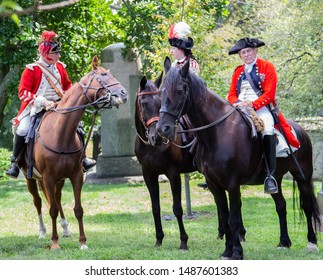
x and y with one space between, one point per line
197 85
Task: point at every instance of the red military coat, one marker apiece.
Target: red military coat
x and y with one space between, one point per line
265 78
29 86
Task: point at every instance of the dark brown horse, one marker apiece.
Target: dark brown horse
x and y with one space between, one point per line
229 156
173 158
58 150
158 158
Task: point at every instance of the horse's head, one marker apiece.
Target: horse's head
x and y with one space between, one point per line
101 84
175 96
148 105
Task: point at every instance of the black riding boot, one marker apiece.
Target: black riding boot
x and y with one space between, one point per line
269 143
87 162
18 145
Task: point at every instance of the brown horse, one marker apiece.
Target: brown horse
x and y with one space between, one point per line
173 158
58 150
229 156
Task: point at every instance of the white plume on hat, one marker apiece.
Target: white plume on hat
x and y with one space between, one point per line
181 30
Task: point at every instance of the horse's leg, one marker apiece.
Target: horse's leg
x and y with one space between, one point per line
77 182
63 222
151 180
49 189
280 203
32 188
235 219
242 230
176 186
223 212
220 225
310 208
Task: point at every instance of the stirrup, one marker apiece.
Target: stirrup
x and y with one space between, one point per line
88 164
270 184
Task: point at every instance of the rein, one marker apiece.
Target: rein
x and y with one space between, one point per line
211 124
179 111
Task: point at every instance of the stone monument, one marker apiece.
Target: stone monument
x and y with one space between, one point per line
117 125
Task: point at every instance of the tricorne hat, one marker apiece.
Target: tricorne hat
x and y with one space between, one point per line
246 43
48 43
178 36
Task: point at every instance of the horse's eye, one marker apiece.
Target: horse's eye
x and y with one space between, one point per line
104 74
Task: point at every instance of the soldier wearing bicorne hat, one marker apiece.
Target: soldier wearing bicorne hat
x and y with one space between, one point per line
254 85
42 84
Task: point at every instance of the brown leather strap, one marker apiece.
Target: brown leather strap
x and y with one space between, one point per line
44 69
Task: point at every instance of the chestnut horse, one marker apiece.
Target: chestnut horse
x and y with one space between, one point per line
229 156
58 150
156 157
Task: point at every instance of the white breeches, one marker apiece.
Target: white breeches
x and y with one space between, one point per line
268 119
23 127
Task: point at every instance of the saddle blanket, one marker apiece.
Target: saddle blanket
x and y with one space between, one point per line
282 149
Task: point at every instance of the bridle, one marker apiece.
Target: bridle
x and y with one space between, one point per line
103 102
177 113
146 123
105 99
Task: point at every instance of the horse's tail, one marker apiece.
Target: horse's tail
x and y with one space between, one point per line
316 219
41 187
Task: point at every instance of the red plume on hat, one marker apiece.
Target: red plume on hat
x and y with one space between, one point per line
48 43
178 36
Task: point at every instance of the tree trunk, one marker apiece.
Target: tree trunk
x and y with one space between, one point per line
4 95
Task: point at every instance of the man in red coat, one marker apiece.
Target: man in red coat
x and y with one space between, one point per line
42 84
254 85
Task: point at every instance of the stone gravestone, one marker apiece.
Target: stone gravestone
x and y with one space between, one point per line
117 125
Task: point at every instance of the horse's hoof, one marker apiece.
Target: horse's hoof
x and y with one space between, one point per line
84 247
42 234
183 247
158 244
67 233
236 257
227 255
311 247
281 247
55 247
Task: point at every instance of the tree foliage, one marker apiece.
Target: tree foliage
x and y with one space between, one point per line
291 29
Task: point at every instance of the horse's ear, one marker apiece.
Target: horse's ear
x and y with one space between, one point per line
143 82
159 79
185 69
167 64
95 62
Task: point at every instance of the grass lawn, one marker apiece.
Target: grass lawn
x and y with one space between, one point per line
119 225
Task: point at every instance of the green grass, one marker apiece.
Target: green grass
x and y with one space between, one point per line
119 225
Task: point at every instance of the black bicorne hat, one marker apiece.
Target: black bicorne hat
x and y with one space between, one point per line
246 43
178 36
182 43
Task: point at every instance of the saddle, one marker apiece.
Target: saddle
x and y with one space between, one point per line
257 125
29 140
252 120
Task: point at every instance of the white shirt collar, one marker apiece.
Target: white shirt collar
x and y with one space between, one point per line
46 64
248 67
